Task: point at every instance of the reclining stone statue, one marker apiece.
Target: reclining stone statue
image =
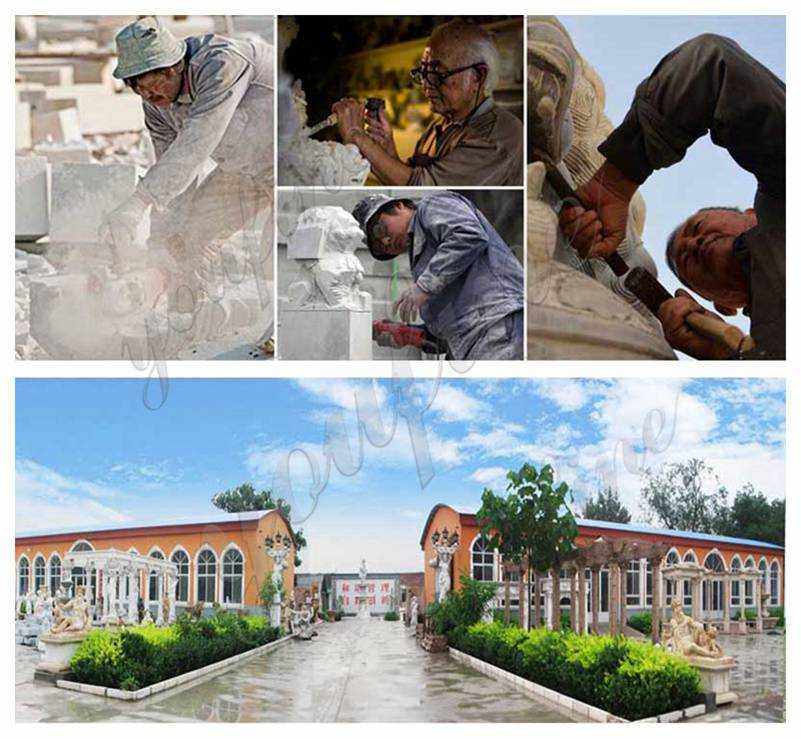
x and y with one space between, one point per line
74 616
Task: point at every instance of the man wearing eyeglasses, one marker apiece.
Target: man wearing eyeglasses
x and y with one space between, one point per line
205 98
471 141
468 284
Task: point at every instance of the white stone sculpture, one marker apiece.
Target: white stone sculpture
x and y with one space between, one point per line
445 544
413 612
577 309
306 161
74 616
301 622
147 619
278 549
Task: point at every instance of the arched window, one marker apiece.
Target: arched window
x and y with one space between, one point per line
689 556
181 560
736 569
763 568
39 573
23 576
153 589
206 577
232 576
55 573
749 584
79 574
672 558
712 589
774 584
482 560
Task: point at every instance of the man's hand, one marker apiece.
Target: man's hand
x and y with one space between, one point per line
410 303
597 226
350 118
379 130
120 225
680 335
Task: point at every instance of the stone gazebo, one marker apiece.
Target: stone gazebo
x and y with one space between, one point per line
119 578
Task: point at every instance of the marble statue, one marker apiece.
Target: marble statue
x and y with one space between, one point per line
413 612
325 241
577 308
278 549
363 570
147 619
445 544
74 616
301 622
688 637
764 598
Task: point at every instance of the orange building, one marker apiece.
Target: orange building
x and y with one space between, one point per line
717 553
221 559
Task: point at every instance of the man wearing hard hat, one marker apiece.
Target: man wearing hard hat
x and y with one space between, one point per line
468 284
205 98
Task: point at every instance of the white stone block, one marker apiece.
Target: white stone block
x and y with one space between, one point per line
31 220
77 152
83 193
694 711
325 334
50 75
60 126
101 111
22 126
30 92
306 243
670 717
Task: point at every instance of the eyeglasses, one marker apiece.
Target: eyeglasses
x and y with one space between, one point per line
428 72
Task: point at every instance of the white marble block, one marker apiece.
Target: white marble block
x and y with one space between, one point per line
22 126
325 334
30 198
51 75
58 126
83 193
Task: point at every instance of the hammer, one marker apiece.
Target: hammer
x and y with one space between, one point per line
642 284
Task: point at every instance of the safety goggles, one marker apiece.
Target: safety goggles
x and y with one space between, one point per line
430 74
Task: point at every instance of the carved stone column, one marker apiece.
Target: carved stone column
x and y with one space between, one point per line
596 597
758 600
656 599
582 601
742 605
537 620
727 604
614 594
623 590
556 610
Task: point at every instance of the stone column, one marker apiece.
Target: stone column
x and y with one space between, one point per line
614 594
582 601
133 616
538 617
695 588
106 602
758 599
742 605
656 599
595 575
525 598
573 601
556 611
727 604
624 566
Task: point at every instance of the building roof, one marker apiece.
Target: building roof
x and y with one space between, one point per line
219 520
632 528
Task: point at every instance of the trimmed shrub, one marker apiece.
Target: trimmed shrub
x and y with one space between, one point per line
625 677
462 607
641 622
137 656
391 616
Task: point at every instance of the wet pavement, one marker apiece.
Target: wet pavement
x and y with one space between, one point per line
758 678
355 670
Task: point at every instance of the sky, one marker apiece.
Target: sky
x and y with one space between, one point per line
90 453
624 50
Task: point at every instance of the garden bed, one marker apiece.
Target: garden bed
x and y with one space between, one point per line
602 677
133 659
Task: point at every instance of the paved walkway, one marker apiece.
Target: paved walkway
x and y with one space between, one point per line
355 670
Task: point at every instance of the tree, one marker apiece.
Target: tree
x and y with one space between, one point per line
607 507
533 525
244 498
684 495
752 516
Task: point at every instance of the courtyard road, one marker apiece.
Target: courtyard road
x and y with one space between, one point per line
355 670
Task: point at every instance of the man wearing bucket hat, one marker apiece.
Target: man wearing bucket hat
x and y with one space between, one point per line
205 98
468 284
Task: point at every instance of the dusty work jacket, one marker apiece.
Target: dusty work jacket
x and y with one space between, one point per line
486 149
224 112
473 277
711 84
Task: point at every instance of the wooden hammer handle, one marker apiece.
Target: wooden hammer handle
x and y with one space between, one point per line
720 331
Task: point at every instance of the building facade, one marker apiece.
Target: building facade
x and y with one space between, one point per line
718 554
221 560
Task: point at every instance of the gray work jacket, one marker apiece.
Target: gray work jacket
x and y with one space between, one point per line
224 113
709 84
473 277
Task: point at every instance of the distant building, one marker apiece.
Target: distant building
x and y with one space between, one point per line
384 590
219 560
722 554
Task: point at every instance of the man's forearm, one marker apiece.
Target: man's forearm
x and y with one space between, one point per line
388 169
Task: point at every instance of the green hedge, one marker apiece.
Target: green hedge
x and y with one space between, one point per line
391 616
134 657
627 678
641 622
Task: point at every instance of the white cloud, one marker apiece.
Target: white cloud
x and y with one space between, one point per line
47 500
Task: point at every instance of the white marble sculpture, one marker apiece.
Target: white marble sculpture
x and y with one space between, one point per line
301 621
278 549
445 544
74 616
325 241
414 608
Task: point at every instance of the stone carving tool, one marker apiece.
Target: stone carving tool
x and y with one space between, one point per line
646 288
373 106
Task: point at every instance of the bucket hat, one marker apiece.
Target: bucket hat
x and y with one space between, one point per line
145 45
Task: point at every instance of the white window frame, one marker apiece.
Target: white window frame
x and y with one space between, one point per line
200 552
158 554
27 561
223 577
483 564
778 590
54 555
180 550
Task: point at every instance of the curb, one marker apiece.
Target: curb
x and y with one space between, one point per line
584 710
186 677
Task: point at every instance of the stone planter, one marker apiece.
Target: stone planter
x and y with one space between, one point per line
714 673
58 651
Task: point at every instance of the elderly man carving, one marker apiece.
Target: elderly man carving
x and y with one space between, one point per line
471 141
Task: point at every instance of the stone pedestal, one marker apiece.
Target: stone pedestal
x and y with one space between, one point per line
325 334
714 673
58 651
